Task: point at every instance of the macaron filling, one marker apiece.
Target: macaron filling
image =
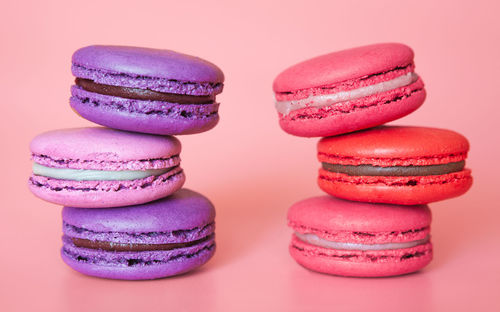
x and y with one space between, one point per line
85 101
137 259
95 175
369 170
124 248
142 94
315 240
146 82
285 107
138 238
113 246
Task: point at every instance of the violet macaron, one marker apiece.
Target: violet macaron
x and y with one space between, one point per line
145 90
348 90
101 167
166 237
340 237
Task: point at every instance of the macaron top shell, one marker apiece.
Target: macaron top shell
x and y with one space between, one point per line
343 65
147 62
330 214
103 144
395 142
183 210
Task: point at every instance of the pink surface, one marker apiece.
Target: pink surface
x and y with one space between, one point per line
247 166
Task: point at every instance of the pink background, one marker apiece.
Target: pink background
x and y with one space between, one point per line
250 169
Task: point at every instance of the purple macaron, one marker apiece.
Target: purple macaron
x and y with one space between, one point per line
100 167
145 90
166 237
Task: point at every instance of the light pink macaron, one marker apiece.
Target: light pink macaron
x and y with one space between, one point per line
100 167
348 90
347 238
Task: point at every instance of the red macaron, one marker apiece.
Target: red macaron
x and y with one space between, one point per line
394 164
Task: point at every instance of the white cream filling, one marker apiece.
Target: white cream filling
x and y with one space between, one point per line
285 107
94 175
321 242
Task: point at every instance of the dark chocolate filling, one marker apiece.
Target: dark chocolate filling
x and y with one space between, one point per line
142 94
111 246
398 171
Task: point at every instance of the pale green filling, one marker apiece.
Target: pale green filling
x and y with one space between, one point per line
285 107
95 175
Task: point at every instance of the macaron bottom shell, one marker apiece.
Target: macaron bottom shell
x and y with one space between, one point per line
154 117
395 190
137 265
357 263
103 194
361 114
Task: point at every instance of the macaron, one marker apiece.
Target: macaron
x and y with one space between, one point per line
101 167
349 238
395 164
348 90
166 237
145 90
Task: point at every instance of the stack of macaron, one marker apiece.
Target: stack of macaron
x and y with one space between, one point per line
125 213
375 220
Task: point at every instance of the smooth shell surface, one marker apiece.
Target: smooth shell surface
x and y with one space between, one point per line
395 142
103 144
331 214
343 65
183 210
156 63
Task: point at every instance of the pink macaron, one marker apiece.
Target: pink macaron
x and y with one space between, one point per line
348 90
100 167
340 237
